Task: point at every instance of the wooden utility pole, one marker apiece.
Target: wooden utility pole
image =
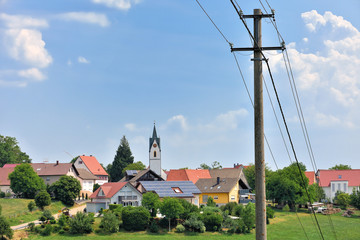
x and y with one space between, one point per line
259 122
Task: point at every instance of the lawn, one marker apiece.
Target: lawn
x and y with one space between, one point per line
16 211
283 226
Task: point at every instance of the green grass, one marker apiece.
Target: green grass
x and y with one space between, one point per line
283 226
16 211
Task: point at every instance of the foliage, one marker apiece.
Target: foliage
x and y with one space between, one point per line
180 228
341 167
204 166
63 220
31 206
239 210
47 231
270 213
134 166
110 223
355 198
194 224
286 208
151 202
0 209
211 209
216 165
287 185
154 227
122 159
96 186
66 189
249 216
212 220
42 199
10 151
171 208
343 199
210 202
46 216
31 226
188 209
5 229
74 159
25 182
2 194
135 218
316 192
81 223
250 174
229 206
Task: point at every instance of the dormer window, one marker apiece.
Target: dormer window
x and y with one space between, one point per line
176 190
340 176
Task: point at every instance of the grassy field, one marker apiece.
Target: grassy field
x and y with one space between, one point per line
283 226
16 211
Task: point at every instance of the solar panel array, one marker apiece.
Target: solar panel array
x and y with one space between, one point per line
165 188
131 172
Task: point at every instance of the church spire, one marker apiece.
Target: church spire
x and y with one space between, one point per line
154 138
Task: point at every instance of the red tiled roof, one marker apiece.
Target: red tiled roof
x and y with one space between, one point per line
10 165
93 165
188 175
109 189
311 176
327 176
4 175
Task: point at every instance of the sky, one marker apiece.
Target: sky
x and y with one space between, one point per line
75 76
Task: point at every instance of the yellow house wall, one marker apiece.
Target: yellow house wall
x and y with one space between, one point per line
223 198
234 192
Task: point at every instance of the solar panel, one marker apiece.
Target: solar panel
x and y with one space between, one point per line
165 189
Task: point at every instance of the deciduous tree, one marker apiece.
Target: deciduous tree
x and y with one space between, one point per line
42 199
171 208
151 202
134 166
24 181
5 229
66 189
341 167
10 151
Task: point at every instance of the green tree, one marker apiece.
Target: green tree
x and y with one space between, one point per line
355 198
249 216
151 202
134 166
81 223
204 166
216 165
122 159
341 167
135 218
42 199
343 199
171 208
5 229
250 174
110 223
212 220
66 189
31 206
74 159
210 202
189 209
316 192
10 151
96 186
24 181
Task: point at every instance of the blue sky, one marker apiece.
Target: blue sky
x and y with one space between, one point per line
75 76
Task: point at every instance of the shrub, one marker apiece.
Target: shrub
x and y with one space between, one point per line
113 206
46 216
154 227
42 199
61 231
31 206
31 226
188 209
270 213
80 224
194 224
135 218
164 222
343 199
38 229
52 221
180 228
211 209
110 223
56 228
229 206
212 220
63 219
249 216
91 216
210 202
286 208
47 231
0 209
8 195
2 194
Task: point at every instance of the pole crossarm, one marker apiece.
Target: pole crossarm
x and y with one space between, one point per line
282 48
258 16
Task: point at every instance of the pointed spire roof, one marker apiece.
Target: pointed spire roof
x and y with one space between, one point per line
153 138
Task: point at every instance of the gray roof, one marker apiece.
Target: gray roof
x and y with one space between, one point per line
230 173
141 174
51 169
86 175
209 185
166 188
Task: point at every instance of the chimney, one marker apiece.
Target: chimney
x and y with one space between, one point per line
218 180
90 155
57 162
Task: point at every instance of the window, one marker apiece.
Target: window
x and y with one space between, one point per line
345 187
154 153
205 198
340 176
176 189
47 179
233 197
80 162
333 187
339 187
216 198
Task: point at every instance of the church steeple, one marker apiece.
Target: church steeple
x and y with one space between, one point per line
155 153
154 138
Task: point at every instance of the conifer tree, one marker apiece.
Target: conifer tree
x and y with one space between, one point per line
122 158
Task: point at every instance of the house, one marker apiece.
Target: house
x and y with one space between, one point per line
51 172
311 176
222 190
87 181
114 193
338 180
4 179
135 176
178 189
91 164
188 175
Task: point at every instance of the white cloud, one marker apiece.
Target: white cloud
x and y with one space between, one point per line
119 4
83 60
305 40
86 17
20 21
326 120
180 119
69 62
27 45
130 126
32 73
